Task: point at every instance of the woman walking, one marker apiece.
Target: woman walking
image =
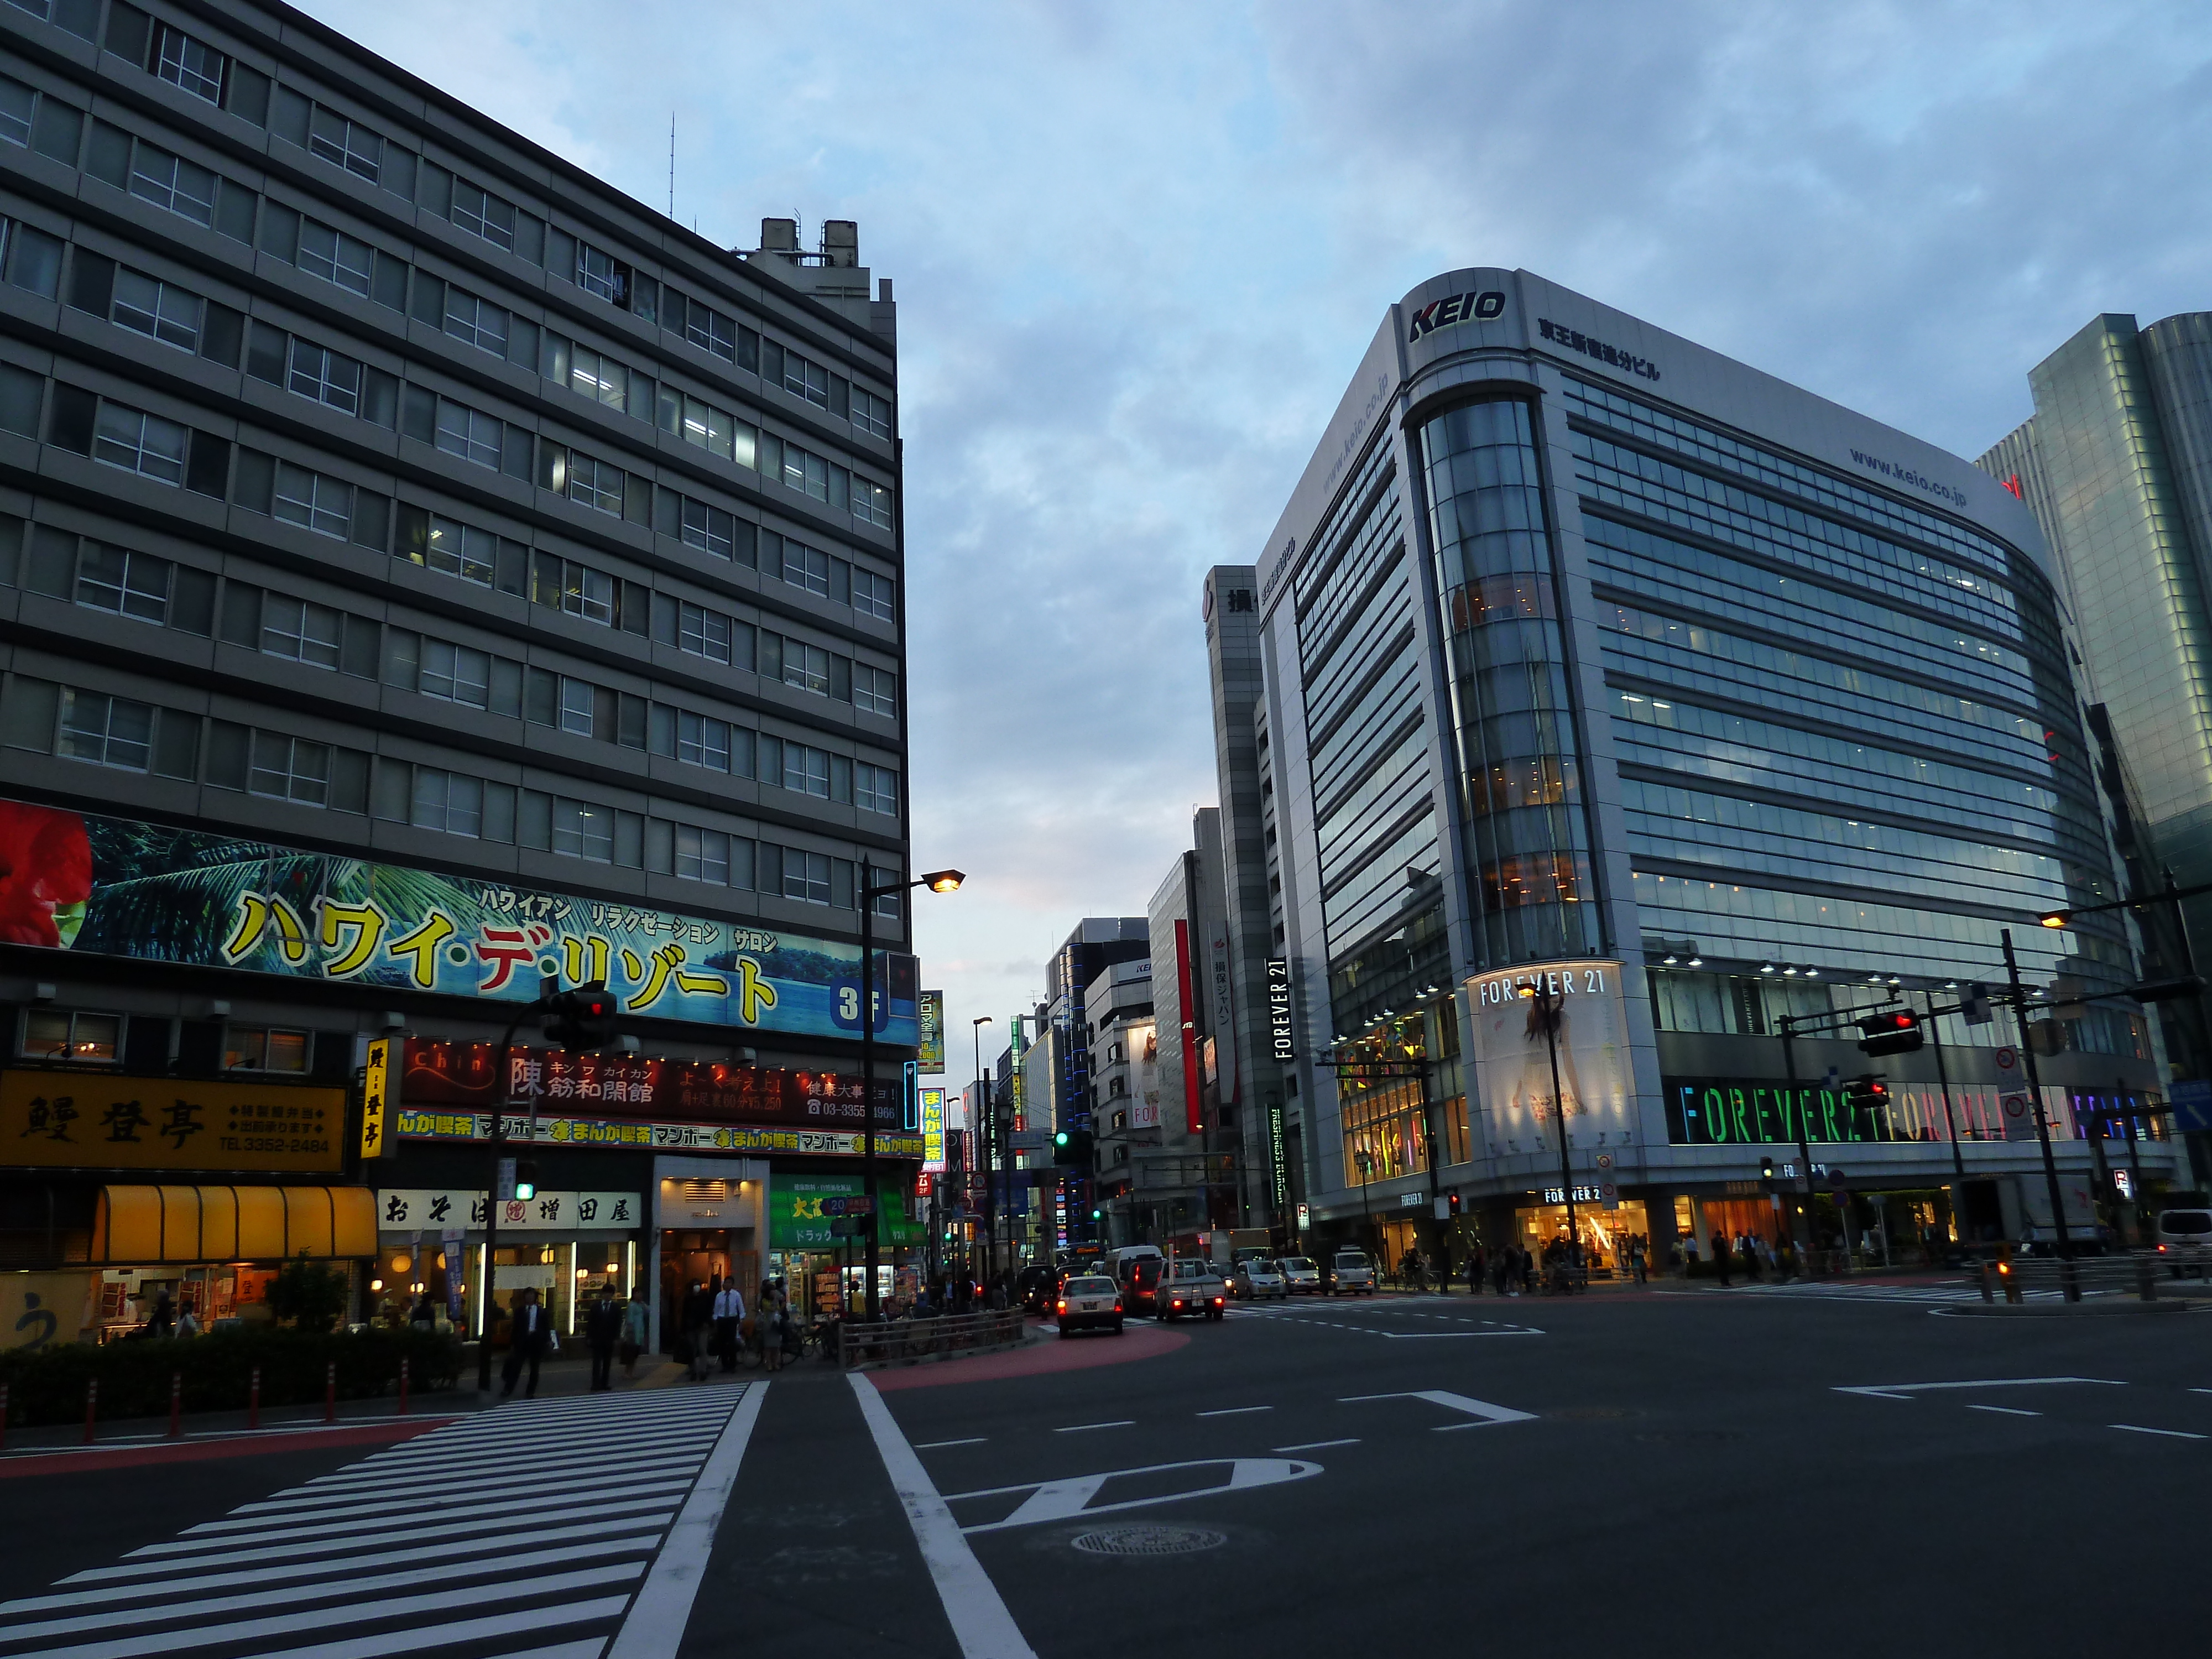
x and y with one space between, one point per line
637 1330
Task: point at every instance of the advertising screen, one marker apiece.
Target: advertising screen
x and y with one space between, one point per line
1513 1059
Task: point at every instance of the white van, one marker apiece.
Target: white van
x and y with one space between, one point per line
2184 1239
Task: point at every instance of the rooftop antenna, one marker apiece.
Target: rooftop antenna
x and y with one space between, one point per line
671 164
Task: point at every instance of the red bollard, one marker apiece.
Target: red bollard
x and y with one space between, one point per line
176 1405
91 1405
330 1392
402 1386
253 1400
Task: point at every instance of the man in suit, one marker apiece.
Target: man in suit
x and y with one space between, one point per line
530 1332
729 1313
603 1328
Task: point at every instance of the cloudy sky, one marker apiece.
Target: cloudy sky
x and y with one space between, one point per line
1139 249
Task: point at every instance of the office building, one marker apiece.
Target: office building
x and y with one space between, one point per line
1595 659
426 570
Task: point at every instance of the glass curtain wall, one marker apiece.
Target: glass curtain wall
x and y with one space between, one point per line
1528 828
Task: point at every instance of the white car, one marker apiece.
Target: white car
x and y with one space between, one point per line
1350 1271
1089 1299
1256 1277
1189 1286
2184 1240
1300 1276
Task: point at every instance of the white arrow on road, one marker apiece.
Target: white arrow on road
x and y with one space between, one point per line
1484 1414
1059 1500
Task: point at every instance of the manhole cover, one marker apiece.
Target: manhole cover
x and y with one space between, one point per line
1149 1541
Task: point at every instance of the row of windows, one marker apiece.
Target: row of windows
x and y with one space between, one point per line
709 529
781 763
354 147
120 733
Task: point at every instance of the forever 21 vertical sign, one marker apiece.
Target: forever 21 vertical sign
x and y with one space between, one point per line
1281 1044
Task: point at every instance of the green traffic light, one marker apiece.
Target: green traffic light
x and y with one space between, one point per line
1061 1140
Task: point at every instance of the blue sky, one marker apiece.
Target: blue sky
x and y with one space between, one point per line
1139 249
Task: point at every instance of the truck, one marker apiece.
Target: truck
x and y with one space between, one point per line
1191 1285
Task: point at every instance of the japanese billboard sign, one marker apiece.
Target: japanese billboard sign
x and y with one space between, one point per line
1513 1057
119 887
376 1094
645 1134
803 1209
64 1119
417 1209
932 1057
933 1129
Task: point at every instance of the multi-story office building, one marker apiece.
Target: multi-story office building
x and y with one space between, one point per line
425 569
2116 463
1125 1091
1597 658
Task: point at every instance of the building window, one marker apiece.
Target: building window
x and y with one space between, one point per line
575 588
265 1049
871 594
17 102
702 632
31 259
290 768
460 550
599 378
709 529
576 698
325 376
875 691
583 832
602 274
335 257
194 65
305 633
702 742
805 378
595 483
345 143
107 731
806 770
806 876
129 584
139 442
703 855
871 503
184 188
478 322
323 505
91 1039
457 673
806 472
448 801
871 414
875 788
806 666
708 427
470 434
482 214
803 567
161 310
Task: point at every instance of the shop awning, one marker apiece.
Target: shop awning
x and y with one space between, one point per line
137 1224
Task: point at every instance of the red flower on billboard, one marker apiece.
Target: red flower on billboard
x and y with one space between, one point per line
46 874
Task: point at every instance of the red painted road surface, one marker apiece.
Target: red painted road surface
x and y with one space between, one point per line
197 1450
1055 1353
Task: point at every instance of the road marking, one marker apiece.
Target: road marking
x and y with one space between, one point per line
1080 1428
1063 1499
654 1628
1314 1445
2008 1410
980 1621
1482 1410
1905 1390
2175 1434
938 1445
1235 1411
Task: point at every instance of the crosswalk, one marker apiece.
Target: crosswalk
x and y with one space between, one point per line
526 1532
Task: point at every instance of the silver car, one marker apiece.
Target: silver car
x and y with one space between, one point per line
1256 1277
1300 1276
1350 1271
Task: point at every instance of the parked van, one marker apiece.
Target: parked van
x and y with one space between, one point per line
2184 1240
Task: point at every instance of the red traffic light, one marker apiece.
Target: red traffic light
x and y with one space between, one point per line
1892 1031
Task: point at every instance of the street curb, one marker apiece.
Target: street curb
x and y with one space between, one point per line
2128 1308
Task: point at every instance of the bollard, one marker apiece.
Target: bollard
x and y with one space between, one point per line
176 1405
1988 1284
254 1400
330 1392
2146 1281
402 1385
91 1405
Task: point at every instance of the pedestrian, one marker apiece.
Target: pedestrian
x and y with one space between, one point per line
1636 1258
698 1320
729 1310
637 1330
424 1316
188 1322
1474 1271
603 1328
1748 1249
529 1334
162 1322
774 1318
1528 1272
1722 1256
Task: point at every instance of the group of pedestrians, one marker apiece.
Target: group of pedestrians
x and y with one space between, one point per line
1751 1252
714 1320
611 1327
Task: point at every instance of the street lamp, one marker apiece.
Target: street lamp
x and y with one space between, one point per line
984 1125
937 881
1365 1160
1548 1010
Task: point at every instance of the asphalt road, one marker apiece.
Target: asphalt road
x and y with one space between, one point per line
1679 1471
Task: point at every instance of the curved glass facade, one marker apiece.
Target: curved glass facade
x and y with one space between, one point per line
1521 788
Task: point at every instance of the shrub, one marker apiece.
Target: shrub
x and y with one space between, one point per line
313 1295
47 1385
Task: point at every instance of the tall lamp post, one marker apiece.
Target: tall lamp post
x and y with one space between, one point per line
937 881
1366 1162
983 1126
1548 1011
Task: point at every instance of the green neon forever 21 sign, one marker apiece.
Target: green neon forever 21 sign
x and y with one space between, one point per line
1745 1112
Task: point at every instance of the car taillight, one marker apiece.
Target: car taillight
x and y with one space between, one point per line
1217 1301
1117 1307
1063 1307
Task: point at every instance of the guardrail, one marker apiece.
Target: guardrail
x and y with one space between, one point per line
909 1341
2096 1275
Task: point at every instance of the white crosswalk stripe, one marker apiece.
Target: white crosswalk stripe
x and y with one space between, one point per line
521 1534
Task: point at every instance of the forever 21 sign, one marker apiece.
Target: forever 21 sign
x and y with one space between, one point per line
1282 1044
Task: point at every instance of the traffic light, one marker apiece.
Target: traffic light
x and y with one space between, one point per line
526 1178
1892 1031
2166 990
1071 1149
582 1018
1451 1200
1766 1173
1867 1094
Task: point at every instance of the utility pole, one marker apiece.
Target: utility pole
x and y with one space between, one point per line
1950 1125
2067 1277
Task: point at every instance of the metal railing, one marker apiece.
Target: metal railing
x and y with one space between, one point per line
2014 1279
907 1341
